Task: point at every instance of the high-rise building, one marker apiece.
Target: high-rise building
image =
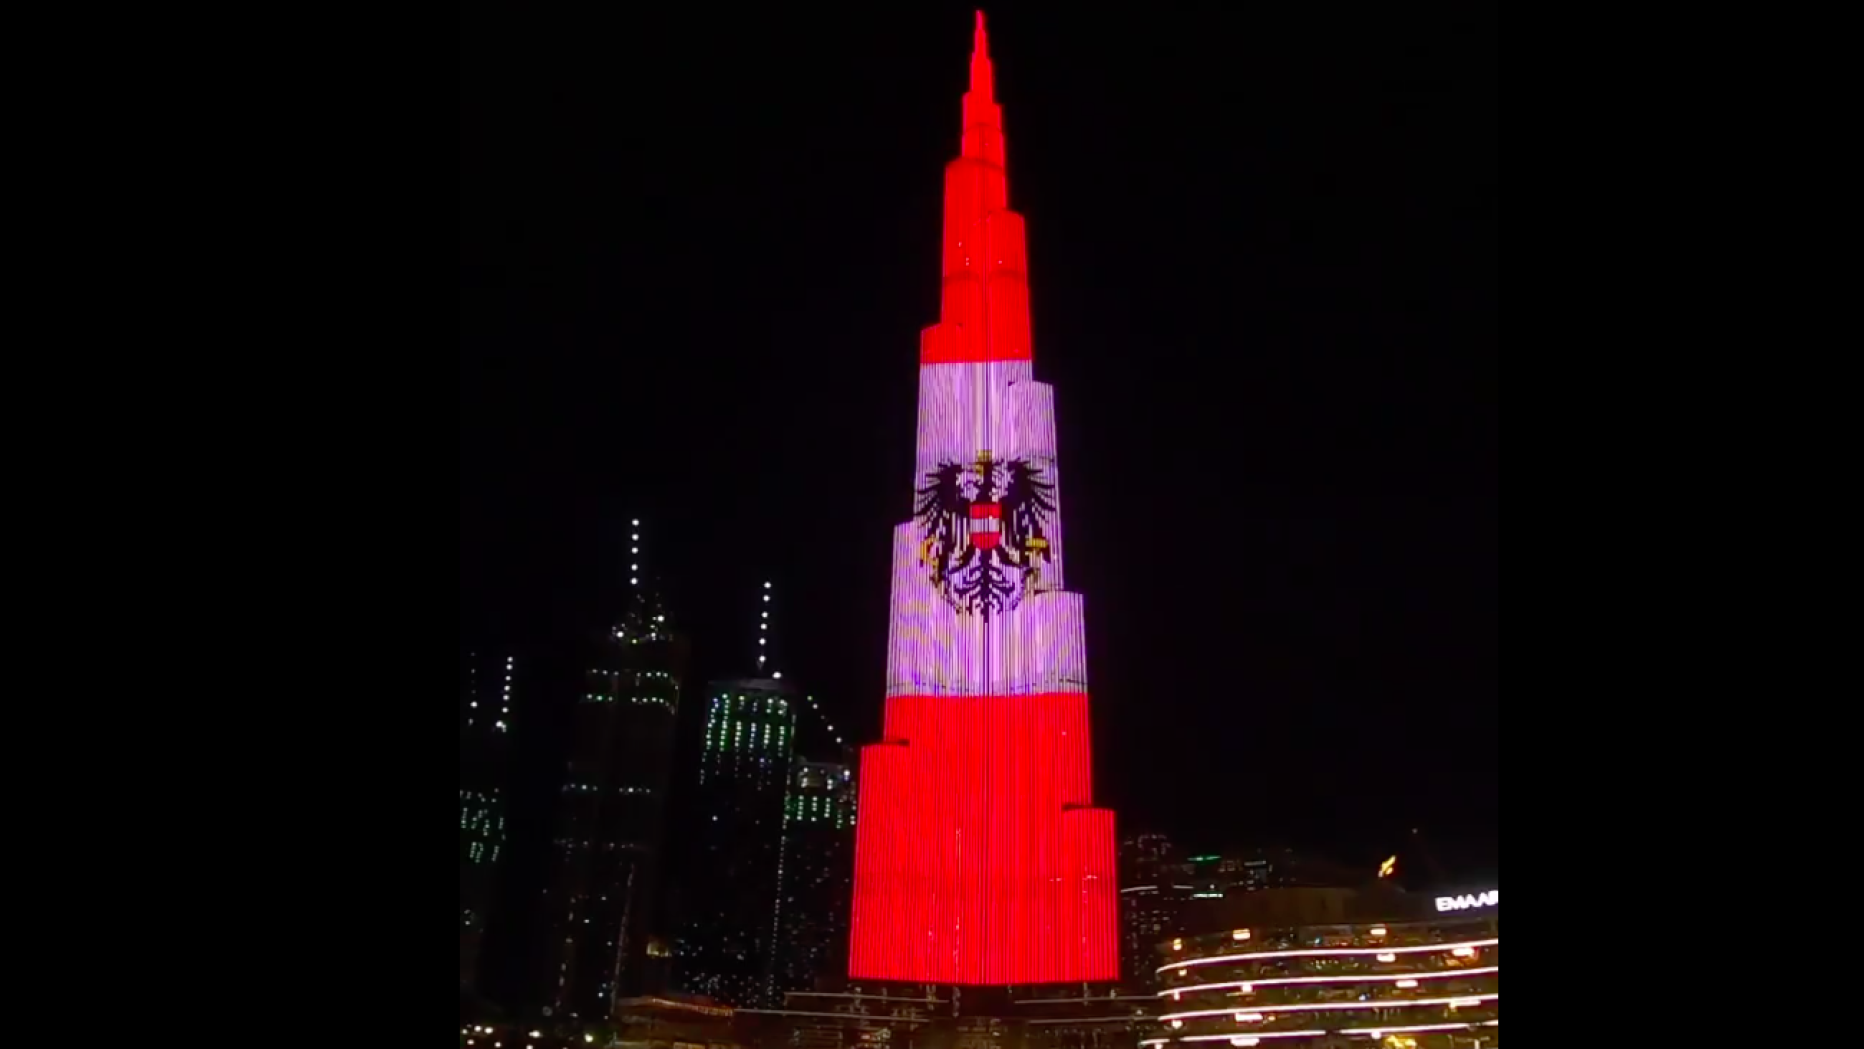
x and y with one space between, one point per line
487 683
980 856
732 832
816 885
1153 896
611 821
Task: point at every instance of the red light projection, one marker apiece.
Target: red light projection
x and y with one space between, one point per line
979 856
978 860
984 311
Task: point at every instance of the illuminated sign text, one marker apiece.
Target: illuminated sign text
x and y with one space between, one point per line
1469 901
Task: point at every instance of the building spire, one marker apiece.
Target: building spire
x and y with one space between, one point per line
984 309
644 617
980 64
766 657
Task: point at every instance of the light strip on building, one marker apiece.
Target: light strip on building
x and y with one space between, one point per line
1376 1032
1319 952
1380 1032
1366 978
1101 998
1252 1034
1381 1003
841 1016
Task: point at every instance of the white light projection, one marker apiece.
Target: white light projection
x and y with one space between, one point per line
987 439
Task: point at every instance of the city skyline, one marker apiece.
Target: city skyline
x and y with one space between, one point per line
675 364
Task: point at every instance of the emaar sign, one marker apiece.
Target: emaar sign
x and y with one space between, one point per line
1468 901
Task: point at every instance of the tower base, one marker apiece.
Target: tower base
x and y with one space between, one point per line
979 857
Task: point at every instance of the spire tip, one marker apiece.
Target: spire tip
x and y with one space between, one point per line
980 60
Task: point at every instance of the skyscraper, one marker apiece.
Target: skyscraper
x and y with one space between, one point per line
487 681
612 813
817 882
980 856
732 830
1154 893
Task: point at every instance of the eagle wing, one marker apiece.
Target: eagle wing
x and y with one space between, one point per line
940 511
1027 502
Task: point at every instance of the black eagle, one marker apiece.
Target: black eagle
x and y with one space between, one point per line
984 580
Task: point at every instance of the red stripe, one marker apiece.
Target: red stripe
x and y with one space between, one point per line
977 857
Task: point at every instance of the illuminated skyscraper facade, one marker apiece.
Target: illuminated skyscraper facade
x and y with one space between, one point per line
980 857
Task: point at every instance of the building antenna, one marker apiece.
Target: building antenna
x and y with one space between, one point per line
643 618
766 660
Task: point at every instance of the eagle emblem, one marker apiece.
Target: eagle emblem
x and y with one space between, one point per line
983 529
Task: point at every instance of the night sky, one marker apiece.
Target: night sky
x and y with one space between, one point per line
697 248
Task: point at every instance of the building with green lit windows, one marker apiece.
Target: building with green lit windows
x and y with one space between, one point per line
815 878
602 900
731 833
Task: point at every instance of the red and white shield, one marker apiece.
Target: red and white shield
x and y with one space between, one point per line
986 524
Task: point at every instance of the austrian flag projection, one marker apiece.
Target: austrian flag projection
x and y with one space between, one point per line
979 855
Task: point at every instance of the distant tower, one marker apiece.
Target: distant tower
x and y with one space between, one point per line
1154 892
733 838
487 683
731 827
980 856
817 884
612 813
